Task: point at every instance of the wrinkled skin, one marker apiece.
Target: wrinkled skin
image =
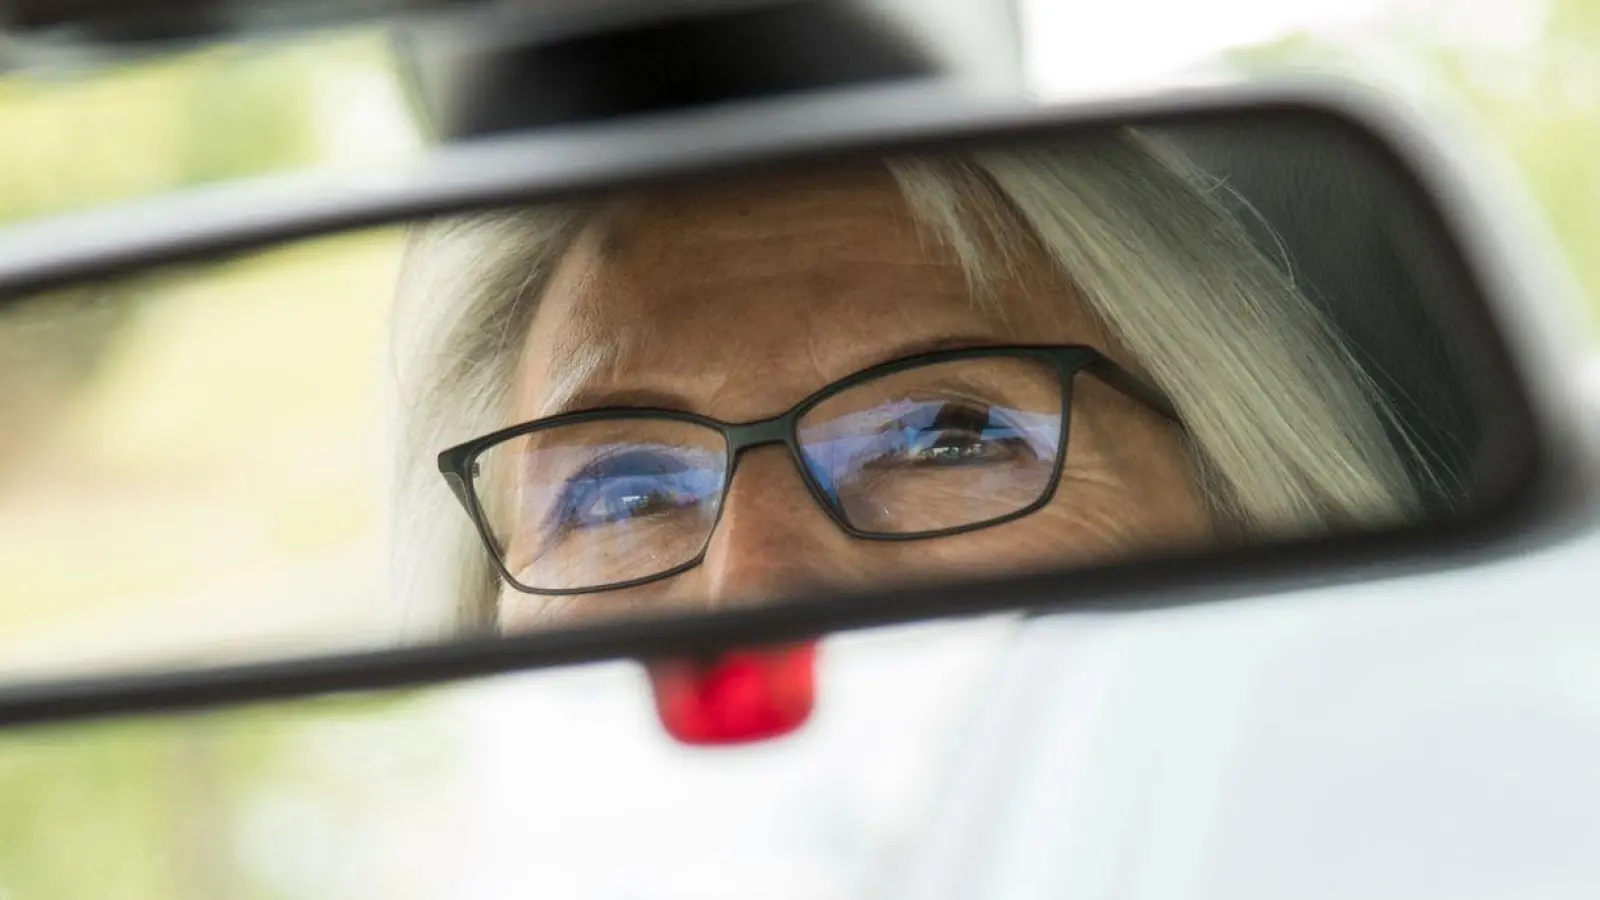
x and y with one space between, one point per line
739 300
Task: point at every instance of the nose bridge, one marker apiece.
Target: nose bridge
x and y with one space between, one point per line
771 538
757 434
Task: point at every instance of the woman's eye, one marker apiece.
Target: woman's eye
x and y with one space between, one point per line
626 498
950 447
959 434
628 487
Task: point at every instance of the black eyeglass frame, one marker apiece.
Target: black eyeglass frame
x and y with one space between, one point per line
457 463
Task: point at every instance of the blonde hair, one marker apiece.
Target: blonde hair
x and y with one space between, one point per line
1288 432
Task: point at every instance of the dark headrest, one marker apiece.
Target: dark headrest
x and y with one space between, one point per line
1316 200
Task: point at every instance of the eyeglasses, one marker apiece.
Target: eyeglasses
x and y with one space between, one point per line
928 446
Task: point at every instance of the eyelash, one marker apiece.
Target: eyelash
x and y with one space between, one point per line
565 505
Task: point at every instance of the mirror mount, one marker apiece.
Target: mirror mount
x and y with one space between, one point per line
498 74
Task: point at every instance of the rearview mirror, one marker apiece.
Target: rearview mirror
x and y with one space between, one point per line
749 375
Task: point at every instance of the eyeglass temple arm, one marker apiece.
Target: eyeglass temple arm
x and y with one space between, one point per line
458 485
1132 386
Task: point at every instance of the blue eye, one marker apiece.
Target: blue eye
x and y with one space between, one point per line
950 434
635 484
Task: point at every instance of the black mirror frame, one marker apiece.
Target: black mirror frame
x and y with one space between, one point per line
1525 348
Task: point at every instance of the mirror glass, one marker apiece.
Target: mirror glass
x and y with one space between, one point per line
1014 357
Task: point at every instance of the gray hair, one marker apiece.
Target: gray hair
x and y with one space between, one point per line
1287 431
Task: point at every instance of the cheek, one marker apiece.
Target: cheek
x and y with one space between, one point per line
714 585
1053 537
1128 477
1082 526
1100 513
521 613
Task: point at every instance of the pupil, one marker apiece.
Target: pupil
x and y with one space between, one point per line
640 502
633 498
957 434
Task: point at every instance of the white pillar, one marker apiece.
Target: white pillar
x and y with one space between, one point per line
981 40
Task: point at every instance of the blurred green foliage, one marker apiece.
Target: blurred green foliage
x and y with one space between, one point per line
152 809
223 446
1537 95
105 814
128 131
76 140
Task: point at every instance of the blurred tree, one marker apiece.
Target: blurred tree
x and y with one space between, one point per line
153 809
249 113
146 129
111 787
1537 90
74 141
135 809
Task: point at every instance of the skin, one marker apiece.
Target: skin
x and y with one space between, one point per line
738 300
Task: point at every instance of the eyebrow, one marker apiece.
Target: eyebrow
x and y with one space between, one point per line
579 395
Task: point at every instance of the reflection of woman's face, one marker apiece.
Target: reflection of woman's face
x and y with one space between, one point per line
739 301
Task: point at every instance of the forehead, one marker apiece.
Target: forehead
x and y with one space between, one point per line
775 286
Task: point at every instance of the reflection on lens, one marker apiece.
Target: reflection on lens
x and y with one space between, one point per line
597 503
937 447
